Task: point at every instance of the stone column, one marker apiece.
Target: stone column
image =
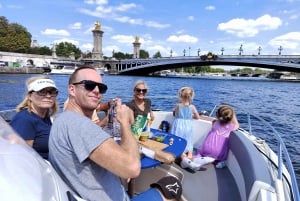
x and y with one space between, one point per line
54 51
136 48
97 50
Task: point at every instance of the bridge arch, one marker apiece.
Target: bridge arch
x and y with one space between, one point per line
146 66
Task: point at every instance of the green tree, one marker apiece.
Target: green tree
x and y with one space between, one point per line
40 50
157 55
121 55
13 37
144 54
66 49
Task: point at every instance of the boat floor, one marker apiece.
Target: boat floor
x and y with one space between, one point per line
209 184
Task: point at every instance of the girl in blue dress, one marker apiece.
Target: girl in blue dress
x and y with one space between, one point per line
184 112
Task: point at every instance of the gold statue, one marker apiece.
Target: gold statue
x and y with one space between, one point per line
137 39
97 25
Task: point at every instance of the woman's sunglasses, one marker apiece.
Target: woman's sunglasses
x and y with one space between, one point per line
44 92
141 90
90 85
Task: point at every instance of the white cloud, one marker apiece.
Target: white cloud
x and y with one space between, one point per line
125 39
87 47
76 25
156 24
98 2
76 43
125 7
161 49
60 32
294 17
210 8
249 28
182 38
109 49
191 18
287 41
115 13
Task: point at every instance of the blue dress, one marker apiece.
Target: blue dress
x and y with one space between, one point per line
182 125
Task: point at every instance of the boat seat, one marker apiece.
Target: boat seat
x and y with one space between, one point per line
7 115
253 168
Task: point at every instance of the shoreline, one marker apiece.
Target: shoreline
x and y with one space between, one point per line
232 78
22 70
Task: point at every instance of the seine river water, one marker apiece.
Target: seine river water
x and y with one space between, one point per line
276 102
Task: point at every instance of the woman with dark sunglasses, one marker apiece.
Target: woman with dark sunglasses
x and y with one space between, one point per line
140 105
32 120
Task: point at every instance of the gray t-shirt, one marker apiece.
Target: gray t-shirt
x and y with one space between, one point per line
72 138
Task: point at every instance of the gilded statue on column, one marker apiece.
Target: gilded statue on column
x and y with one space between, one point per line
97 25
137 39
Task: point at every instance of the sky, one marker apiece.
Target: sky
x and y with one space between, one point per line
164 25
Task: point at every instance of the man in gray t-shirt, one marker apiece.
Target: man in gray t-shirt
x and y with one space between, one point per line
85 156
70 152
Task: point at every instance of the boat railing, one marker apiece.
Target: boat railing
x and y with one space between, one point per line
281 150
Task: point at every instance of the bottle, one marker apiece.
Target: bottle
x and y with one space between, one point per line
113 126
148 126
164 127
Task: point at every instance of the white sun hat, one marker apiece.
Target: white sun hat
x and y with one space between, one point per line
40 84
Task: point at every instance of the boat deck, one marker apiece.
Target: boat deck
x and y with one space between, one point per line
209 184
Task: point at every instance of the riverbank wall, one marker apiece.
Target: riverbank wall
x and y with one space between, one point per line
21 70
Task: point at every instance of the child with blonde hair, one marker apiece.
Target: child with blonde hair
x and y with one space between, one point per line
184 112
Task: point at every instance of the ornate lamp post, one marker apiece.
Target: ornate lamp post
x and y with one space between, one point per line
222 50
171 52
198 52
189 51
280 49
259 49
241 49
184 52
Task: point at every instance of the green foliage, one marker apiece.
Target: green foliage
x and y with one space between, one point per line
121 55
157 55
66 49
40 50
144 54
13 37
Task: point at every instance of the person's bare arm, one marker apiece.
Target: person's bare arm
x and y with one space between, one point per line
121 159
195 113
29 142
152 116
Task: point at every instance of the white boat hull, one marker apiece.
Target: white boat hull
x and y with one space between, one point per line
250 174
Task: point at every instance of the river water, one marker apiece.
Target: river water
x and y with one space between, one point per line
274 101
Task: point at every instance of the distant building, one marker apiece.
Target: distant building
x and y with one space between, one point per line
34 43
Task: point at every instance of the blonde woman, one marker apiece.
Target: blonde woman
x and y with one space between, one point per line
32 120
140 105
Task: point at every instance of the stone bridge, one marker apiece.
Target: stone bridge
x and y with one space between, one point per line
290 63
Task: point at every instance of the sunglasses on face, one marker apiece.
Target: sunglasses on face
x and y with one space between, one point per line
44 92
90 85
141 90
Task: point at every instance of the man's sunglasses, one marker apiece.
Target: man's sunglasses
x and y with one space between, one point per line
141 90
90 85
44 92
